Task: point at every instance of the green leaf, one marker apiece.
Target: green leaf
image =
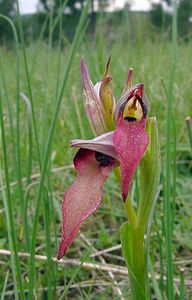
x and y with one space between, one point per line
150 166
133 252
126 243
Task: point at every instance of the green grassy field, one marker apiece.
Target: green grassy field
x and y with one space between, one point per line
34 174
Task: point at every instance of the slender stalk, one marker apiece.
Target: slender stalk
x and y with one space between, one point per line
4 286
168 223
174 171
189 129
130 211
30 139
50 24
75 44
48 244
21 34
155 283
8 226
16 143
182 284
136 189
139 265
9 208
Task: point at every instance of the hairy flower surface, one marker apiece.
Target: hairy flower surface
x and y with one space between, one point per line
121 140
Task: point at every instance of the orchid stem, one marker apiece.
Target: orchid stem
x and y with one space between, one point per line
130 211
117 175
128 206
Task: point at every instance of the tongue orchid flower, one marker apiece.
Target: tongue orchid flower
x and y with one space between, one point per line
121 140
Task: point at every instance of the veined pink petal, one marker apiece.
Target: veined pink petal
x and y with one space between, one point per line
85 194
130 141
102 143
97 87
92 103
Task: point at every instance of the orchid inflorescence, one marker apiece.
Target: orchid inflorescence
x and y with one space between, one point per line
121 141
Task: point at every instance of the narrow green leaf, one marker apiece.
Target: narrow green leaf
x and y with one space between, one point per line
126 242
150 167
132 242
154 281
5 286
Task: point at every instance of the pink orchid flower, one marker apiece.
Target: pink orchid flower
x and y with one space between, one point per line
121 140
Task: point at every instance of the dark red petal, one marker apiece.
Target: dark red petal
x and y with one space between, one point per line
84 196
130 141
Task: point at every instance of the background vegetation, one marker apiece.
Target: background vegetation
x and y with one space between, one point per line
41 109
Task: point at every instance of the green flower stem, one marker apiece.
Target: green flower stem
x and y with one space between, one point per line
128 206
134 244
132 239
130 211
139 266
118 175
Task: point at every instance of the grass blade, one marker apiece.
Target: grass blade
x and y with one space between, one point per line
182 284
75 44
189 129
168 221
4 286
154 281
21 34
8 202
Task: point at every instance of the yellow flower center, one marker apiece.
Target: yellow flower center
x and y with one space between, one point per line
133 110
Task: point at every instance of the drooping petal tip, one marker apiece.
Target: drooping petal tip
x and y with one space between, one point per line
130 141
85 194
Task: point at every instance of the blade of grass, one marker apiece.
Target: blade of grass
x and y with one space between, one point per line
75 44
60 13
189 129
174 158
50 268
30 142
160 250
168 223
9 106
50 24
8 203
21 34
16 145
148 235
14 272
26 206
4 286
182 284
154 281
83 259
59 19
174 172
52 215
38 45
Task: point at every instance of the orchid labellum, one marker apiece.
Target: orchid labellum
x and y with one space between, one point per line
120 140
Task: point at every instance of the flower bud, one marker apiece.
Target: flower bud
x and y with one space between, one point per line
107 98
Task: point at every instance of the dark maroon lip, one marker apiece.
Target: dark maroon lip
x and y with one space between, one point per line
103 159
